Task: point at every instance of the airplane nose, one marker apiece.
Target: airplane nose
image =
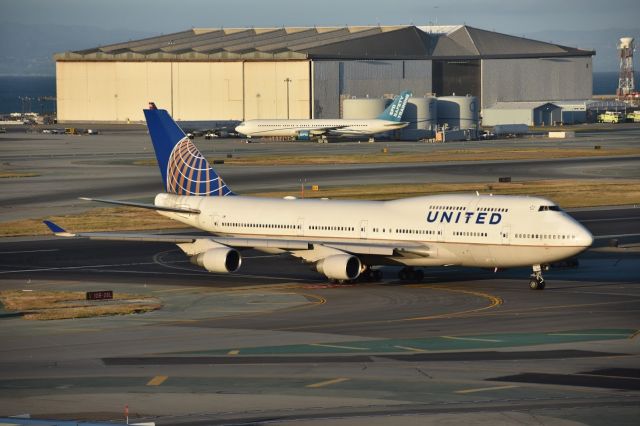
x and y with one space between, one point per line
584 238
239 128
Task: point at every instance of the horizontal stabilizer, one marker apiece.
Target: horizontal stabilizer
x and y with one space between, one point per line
57 230
144 206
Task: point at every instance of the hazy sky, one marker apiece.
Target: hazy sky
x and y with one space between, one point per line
31 31
163 16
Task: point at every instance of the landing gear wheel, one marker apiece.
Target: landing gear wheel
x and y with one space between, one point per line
405 274
366 276
533 284
410 274
536 284
536 281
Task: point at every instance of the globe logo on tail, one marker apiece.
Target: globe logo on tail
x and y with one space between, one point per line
189 173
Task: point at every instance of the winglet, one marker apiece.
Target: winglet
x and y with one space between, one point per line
57 230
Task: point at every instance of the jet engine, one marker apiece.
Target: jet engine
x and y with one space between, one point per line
221 259
303 135
340 267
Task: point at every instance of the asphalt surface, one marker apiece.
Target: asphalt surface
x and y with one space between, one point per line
103 166
276 344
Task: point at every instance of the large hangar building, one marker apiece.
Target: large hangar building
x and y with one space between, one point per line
242 73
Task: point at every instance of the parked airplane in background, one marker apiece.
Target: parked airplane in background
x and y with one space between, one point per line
345 239
306 129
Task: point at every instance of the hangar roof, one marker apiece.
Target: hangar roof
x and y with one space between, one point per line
521 105
366 42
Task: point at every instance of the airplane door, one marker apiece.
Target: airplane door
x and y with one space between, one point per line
505 235
300 230
363 228
215 222
440 232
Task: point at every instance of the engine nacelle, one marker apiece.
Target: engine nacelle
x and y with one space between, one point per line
303 135
340 267
222 259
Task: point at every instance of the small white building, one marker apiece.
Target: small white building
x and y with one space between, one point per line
530 113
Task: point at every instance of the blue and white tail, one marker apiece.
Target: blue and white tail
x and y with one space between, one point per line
184 169
396 109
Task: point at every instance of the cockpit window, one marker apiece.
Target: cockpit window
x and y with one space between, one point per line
547 208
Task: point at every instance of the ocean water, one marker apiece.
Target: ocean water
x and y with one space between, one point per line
24 94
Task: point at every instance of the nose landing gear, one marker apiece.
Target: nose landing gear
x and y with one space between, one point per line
536 281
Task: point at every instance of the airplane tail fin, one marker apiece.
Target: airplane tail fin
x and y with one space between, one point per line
395 110
184 169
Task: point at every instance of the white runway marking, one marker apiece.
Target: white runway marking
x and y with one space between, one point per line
339 347
610 219
599 237
64 268
28 251
471 339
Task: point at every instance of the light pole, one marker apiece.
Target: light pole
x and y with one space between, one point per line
287 80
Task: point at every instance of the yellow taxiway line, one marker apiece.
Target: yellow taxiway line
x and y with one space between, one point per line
485 389
157 381
328 382
409 348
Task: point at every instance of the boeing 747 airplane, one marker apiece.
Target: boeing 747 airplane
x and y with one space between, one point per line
390 119
346 240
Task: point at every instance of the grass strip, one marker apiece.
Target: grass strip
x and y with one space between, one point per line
566 193
432 156
9 175
52 305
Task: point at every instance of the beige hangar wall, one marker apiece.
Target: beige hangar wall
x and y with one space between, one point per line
207 91
266 89
117 91
110 91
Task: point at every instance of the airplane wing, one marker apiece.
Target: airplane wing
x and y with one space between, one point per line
310 249
144 206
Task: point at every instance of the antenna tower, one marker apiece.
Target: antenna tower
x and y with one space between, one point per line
626 85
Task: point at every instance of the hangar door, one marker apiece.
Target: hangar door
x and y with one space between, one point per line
276 90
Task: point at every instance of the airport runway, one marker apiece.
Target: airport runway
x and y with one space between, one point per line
276 343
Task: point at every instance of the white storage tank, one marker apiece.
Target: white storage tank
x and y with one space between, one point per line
363 108
460 112
422 115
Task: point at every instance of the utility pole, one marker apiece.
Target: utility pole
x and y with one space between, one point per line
287 80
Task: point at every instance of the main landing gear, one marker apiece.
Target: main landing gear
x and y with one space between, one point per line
409 274
536 281
367 275
370 275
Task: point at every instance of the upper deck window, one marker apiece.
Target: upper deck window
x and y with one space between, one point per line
547 208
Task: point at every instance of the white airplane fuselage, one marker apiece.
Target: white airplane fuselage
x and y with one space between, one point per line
465 230
296 128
